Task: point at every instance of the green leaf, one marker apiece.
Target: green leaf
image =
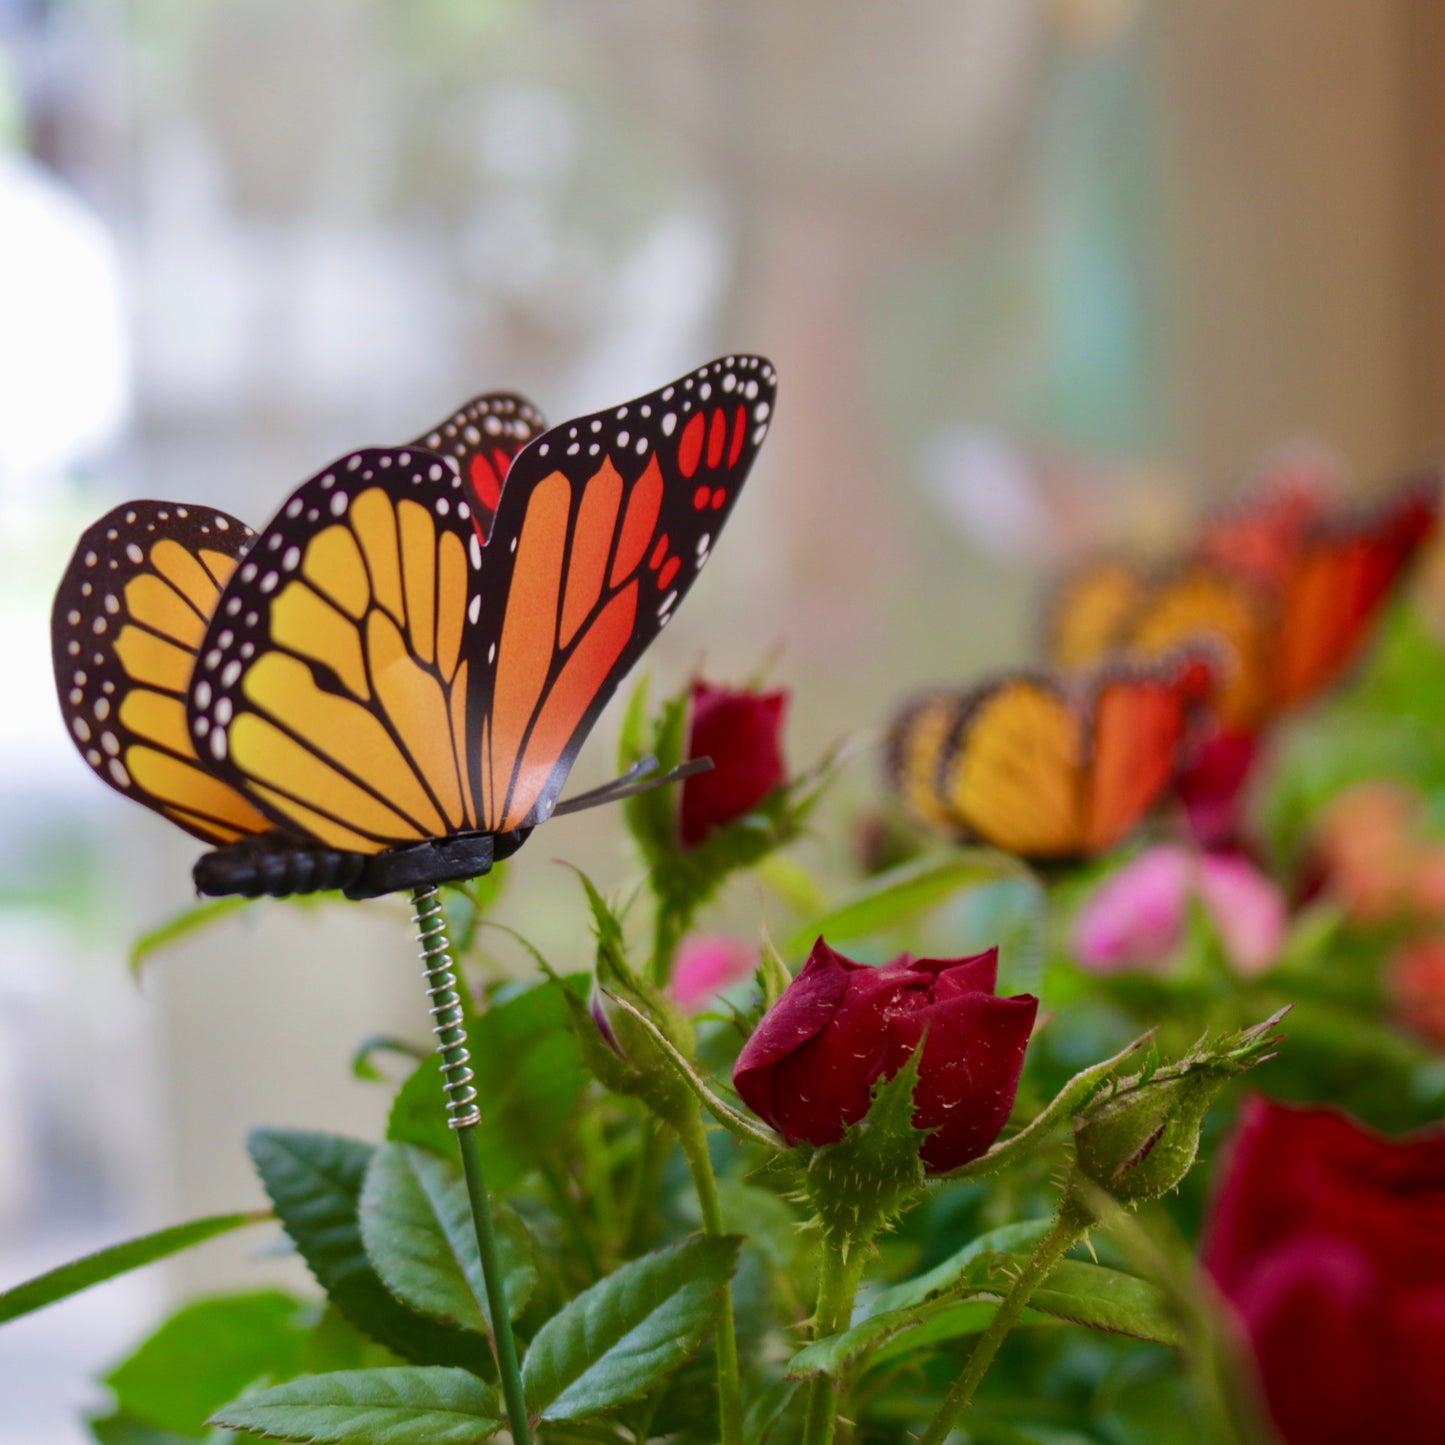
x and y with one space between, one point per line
118 1259
615 1340
191 920
834 1353
401 1406
315 1182
907 1294
902 893
118 1428
1105 1299
416 1223
363 1065
665 1101
1075 1291
529 1076
334 1343
204 1355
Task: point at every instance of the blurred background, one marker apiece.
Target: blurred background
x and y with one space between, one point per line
1036 274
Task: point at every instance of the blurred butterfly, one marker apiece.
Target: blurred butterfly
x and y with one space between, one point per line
1292 589
388 684
1050 767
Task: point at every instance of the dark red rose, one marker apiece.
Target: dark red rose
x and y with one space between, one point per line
740 732
840 1026
1329 1241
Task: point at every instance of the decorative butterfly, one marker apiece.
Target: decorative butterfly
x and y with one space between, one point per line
388 684
1050 767
1292 590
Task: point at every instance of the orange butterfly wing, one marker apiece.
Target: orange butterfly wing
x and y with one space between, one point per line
1002 762
1043 770
1142 722
128 621
604 524
1337 584
1258 532
374 676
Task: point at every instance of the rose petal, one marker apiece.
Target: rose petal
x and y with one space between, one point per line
807 1005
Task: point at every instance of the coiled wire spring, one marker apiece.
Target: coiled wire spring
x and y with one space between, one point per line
448 1020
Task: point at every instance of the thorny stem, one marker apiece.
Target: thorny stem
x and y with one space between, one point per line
464 1116
1070 1226
839 1272
729 1380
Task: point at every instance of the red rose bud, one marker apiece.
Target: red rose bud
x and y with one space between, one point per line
810 1066
1329 1241
1213 787
740 732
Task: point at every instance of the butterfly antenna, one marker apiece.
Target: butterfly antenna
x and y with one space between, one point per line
628 785
601 794
449 1025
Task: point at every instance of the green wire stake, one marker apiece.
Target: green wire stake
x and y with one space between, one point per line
464 1116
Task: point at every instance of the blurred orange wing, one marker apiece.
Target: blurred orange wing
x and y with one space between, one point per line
1337 584
1002 762
1258 532
1142 721
1043 770
1205 604
1090 612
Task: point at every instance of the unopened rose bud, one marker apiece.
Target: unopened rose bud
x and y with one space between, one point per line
810 1067
742 733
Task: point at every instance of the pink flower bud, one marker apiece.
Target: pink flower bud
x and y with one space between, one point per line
708 964
1135 920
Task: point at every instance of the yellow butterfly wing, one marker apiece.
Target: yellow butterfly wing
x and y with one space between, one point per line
128 620
333 681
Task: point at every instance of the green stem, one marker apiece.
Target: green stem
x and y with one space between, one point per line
502 1339
729 1378
838 1275
1070 1226
667 928
464 1116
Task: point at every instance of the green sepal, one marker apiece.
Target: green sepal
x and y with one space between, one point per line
772 976
651 816
874 1172
638 1067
